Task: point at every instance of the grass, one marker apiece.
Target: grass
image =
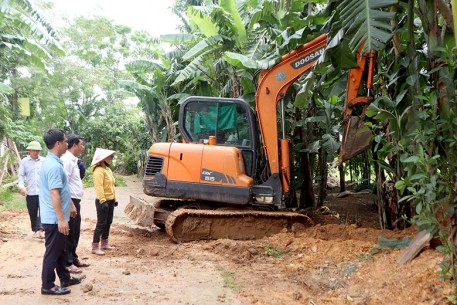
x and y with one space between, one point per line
229 280
273 251
11 199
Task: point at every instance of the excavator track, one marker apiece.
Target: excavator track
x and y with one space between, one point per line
184 225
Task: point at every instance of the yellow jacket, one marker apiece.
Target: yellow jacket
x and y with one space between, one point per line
104 183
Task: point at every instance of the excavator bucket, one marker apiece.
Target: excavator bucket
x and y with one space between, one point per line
356 138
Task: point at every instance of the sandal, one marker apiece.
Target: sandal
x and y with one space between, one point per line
81 264
73 269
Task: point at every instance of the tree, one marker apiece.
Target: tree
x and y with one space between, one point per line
25 37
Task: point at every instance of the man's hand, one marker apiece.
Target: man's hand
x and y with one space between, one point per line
24 191
73 211
63 227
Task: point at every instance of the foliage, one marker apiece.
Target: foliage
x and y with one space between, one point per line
273 251
417 147
110 131
368 22
88 180
229 280
10 199
26 38
81 95
152 85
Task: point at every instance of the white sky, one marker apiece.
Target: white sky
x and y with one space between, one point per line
152 16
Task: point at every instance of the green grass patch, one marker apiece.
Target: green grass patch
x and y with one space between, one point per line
11 199
229 279
273 251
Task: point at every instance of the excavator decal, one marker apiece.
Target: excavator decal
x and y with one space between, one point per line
213 176
307 59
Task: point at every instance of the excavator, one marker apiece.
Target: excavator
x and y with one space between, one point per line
230 176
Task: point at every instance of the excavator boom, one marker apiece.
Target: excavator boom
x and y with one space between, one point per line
273 85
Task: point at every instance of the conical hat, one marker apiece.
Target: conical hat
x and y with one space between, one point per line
101 154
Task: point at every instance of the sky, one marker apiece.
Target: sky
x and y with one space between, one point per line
152 16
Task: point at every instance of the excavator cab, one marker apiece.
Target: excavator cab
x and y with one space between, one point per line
230 121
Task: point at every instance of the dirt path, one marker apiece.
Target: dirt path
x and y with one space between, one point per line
128 275
334 262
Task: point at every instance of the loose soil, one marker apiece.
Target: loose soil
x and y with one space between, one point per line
337 261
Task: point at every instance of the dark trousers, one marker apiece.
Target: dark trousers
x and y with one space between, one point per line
73 237
54 257
104 220
33 206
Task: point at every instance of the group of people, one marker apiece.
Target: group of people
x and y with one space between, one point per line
53 189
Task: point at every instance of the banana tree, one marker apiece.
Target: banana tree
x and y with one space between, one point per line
26 37
152 85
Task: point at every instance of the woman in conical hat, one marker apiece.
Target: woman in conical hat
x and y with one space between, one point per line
105 201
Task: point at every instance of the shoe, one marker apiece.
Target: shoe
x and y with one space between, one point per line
104 245
70 282
81 264
56 291
96 249
73 269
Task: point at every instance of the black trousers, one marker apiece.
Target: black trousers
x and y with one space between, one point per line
54 257
73 237
33 206
104 220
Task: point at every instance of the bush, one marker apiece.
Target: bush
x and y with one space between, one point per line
10 199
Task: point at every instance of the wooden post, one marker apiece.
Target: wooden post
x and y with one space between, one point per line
421 240
5 168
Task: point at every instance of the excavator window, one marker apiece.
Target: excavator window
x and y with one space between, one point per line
228 122
231 121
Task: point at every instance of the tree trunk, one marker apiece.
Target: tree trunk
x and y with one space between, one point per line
380 196
366 168
307 191
342 178
323 177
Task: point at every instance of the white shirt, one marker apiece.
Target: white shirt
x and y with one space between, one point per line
29 173
70 164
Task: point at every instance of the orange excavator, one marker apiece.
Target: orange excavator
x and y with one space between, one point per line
230 178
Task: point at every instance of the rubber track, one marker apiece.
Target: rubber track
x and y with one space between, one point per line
185 225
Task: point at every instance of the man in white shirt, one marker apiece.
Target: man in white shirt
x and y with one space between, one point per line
29 178
70 163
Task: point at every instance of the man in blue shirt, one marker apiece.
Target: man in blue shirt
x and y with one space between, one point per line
55 214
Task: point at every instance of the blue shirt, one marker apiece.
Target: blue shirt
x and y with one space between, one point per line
52 176
29 174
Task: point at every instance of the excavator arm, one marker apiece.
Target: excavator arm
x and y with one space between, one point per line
273 85
356 135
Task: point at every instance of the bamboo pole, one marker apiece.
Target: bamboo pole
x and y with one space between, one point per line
5 168
454 13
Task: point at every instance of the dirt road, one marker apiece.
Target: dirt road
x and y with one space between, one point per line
142 270
334 262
